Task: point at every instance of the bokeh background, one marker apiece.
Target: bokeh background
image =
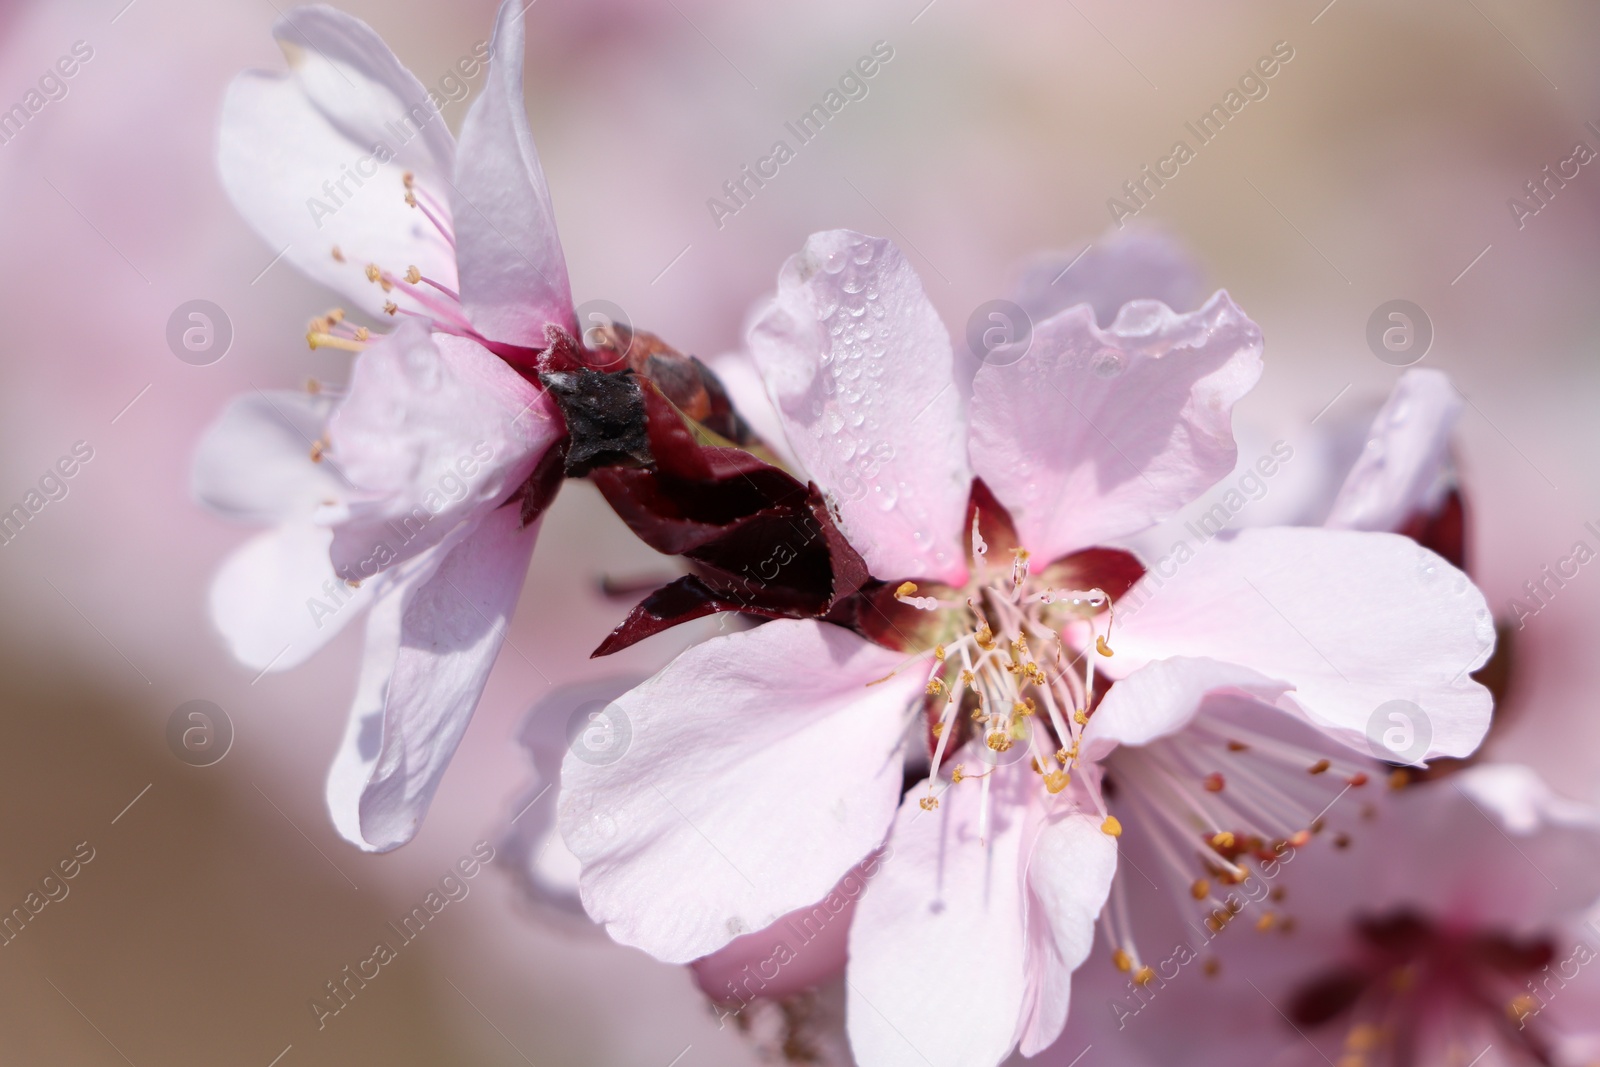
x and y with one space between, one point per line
1378 167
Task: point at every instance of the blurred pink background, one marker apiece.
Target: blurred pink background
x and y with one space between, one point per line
1378 166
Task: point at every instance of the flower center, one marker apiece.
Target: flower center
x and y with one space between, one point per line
1012 673
1418 993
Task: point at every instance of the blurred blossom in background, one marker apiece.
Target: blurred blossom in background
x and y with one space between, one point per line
1426 153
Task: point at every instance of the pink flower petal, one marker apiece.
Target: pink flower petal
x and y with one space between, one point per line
1070 867
435 431
937 952
254 463
1350 620
762 766
1161 698
430 645
513 273
800 951
1095 435
276 600
738 374
315 158
1407 452
877 420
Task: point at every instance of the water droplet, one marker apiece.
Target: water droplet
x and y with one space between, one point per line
853 284
1106 363
863 253
827 305
835 262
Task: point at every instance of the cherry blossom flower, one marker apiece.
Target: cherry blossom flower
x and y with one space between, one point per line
767 763
417 489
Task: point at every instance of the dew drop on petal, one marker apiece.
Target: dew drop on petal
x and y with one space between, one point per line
1106 363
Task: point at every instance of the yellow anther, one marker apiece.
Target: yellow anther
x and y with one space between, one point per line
1222 839
408 178
938 653
411 199
362 333
935 687
413 275
1056 781
373 273
1320 766
957 774
967 677
1144 976
905 589
1522 1004
1101 646
1111 827
998 740
1363 1037
929 803
338 256
1267 921
985 638
319 448
938 729
390 307
1399 778
1200 889
319 339
1122 961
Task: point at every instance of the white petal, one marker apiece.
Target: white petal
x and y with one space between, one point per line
1402 467
254 463
937 955
435 431
1351 620
276 600
876 421
430 645
513 272
762 766
315 158
1070 867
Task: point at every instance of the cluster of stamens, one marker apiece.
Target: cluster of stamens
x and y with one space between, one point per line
1420 993
1221 805
1010 669
426 298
